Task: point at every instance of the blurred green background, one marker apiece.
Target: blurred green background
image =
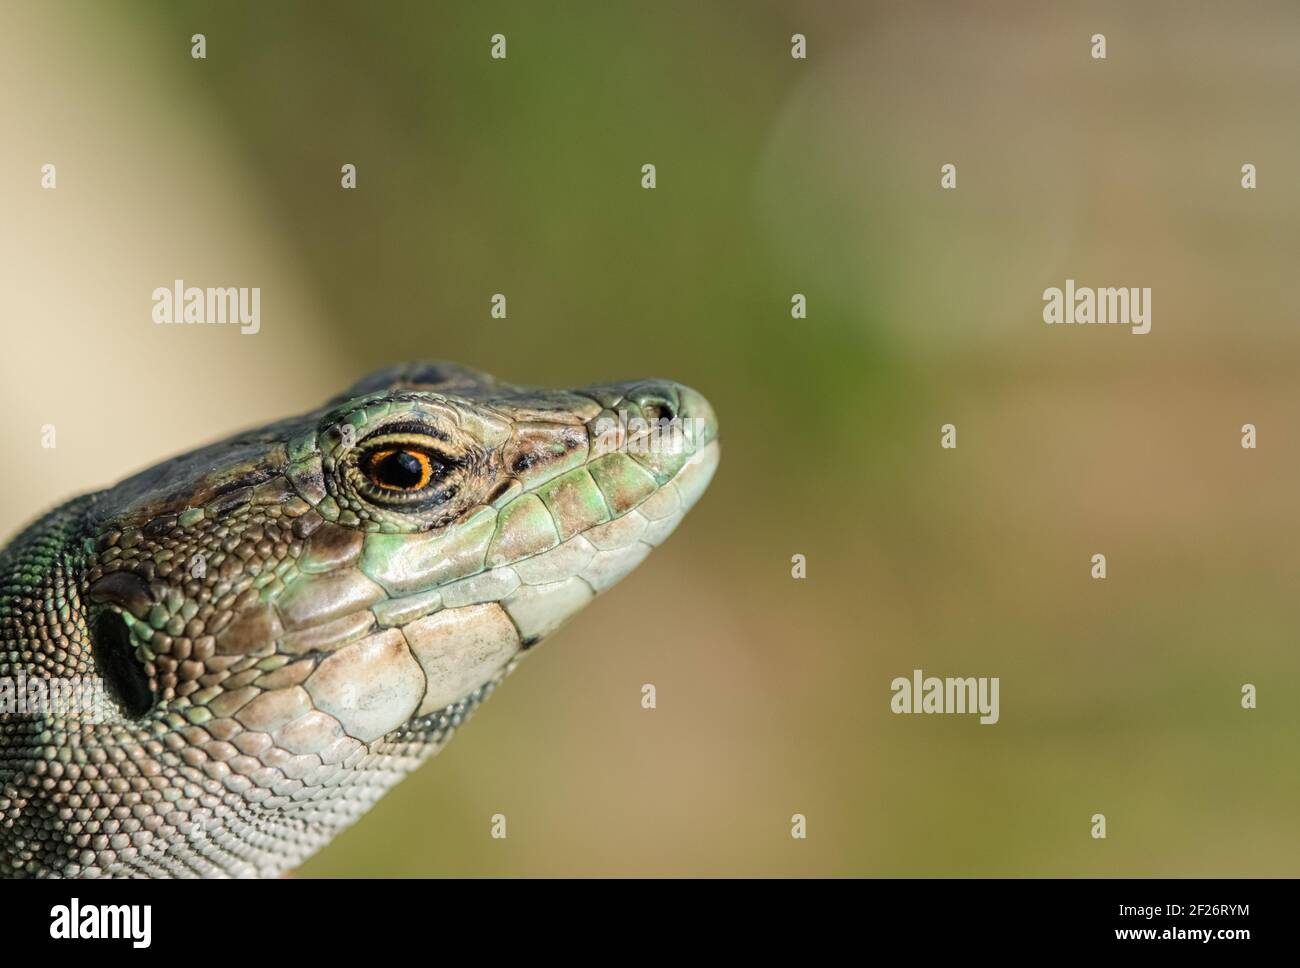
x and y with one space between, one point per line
775 176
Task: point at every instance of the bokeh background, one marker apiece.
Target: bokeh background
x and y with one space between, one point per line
775 176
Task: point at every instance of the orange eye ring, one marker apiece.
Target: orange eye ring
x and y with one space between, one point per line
402 469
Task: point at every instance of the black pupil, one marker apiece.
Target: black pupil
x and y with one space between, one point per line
400 469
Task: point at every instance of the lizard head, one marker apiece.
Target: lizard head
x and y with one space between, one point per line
288 621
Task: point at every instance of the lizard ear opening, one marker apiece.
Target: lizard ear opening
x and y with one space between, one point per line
124 677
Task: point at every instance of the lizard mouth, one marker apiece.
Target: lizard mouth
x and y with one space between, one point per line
471 645
488 639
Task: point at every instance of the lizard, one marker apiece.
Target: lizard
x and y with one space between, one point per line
276 628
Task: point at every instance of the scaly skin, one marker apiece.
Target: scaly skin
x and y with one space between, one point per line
289 621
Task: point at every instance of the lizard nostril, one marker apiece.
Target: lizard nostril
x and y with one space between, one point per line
655 410
124 678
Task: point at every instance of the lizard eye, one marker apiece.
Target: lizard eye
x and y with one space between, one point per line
406 471
400 468
406 468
